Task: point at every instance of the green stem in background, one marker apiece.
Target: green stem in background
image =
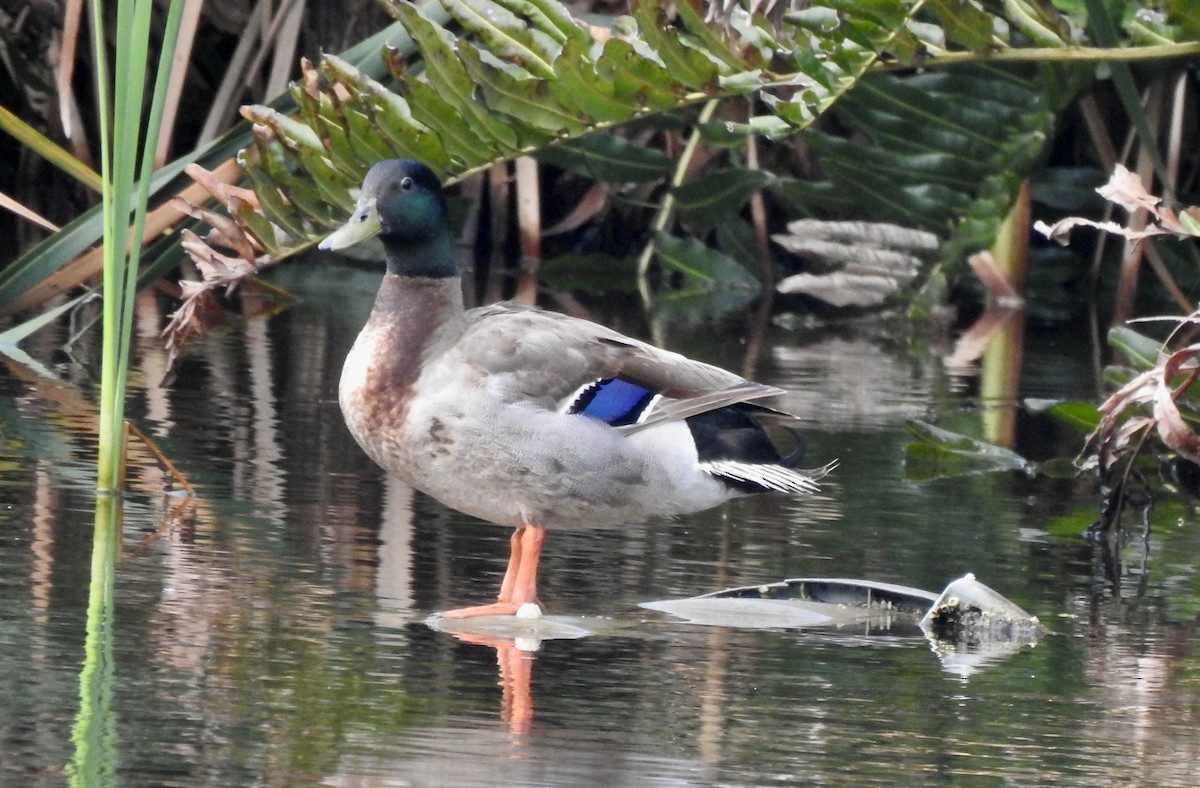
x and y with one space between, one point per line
122 146
667 206
95 731
1104 29
1000 367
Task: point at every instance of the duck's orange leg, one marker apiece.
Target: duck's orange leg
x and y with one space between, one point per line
520 579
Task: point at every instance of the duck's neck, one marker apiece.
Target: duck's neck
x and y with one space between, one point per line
429 257
416 310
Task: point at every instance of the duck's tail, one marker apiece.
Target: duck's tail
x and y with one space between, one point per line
733 445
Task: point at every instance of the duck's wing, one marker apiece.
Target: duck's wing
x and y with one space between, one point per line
577 366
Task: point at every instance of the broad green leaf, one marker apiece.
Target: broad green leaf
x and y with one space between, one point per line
736 238
946 150
715 198
1082 416
286 128
609 159
593 273
1186 13
710 269
279 210
689 65
637 80
387 111
698 304
549 17
463 146
363 134
334 135
523 100
964 22
449 81
805 198
692 13
1141 351
1039 21
578 85
506 35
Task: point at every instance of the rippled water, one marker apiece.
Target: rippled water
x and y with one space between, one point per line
270 630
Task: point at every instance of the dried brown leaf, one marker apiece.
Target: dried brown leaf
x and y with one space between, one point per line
1060 231
585 210
225 231
222 184
994 280
1173 429
312 80
1126 189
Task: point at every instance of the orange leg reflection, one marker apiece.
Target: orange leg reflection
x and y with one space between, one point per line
516 673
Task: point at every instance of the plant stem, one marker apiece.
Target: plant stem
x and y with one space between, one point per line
667 206
1137 54
125 155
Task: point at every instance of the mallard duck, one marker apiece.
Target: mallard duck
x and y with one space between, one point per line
533 419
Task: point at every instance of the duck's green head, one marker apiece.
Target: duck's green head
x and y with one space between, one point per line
401 202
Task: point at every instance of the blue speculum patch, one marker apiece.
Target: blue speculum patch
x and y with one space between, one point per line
614 401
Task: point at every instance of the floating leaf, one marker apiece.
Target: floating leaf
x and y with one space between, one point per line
1083 416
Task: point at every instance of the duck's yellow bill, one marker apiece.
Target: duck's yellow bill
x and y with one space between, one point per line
363 224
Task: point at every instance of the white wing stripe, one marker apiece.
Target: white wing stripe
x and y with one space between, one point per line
772 477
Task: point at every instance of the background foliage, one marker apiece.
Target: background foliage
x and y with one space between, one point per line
687 132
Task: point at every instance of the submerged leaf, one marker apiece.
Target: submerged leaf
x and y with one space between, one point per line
936 453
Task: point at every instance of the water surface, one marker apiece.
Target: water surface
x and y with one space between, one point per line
270 629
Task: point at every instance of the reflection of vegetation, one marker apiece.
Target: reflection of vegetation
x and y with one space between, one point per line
95 734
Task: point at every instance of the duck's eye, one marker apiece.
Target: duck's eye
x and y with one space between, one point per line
407 184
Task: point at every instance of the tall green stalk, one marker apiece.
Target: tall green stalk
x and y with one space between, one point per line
122 144
126 155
